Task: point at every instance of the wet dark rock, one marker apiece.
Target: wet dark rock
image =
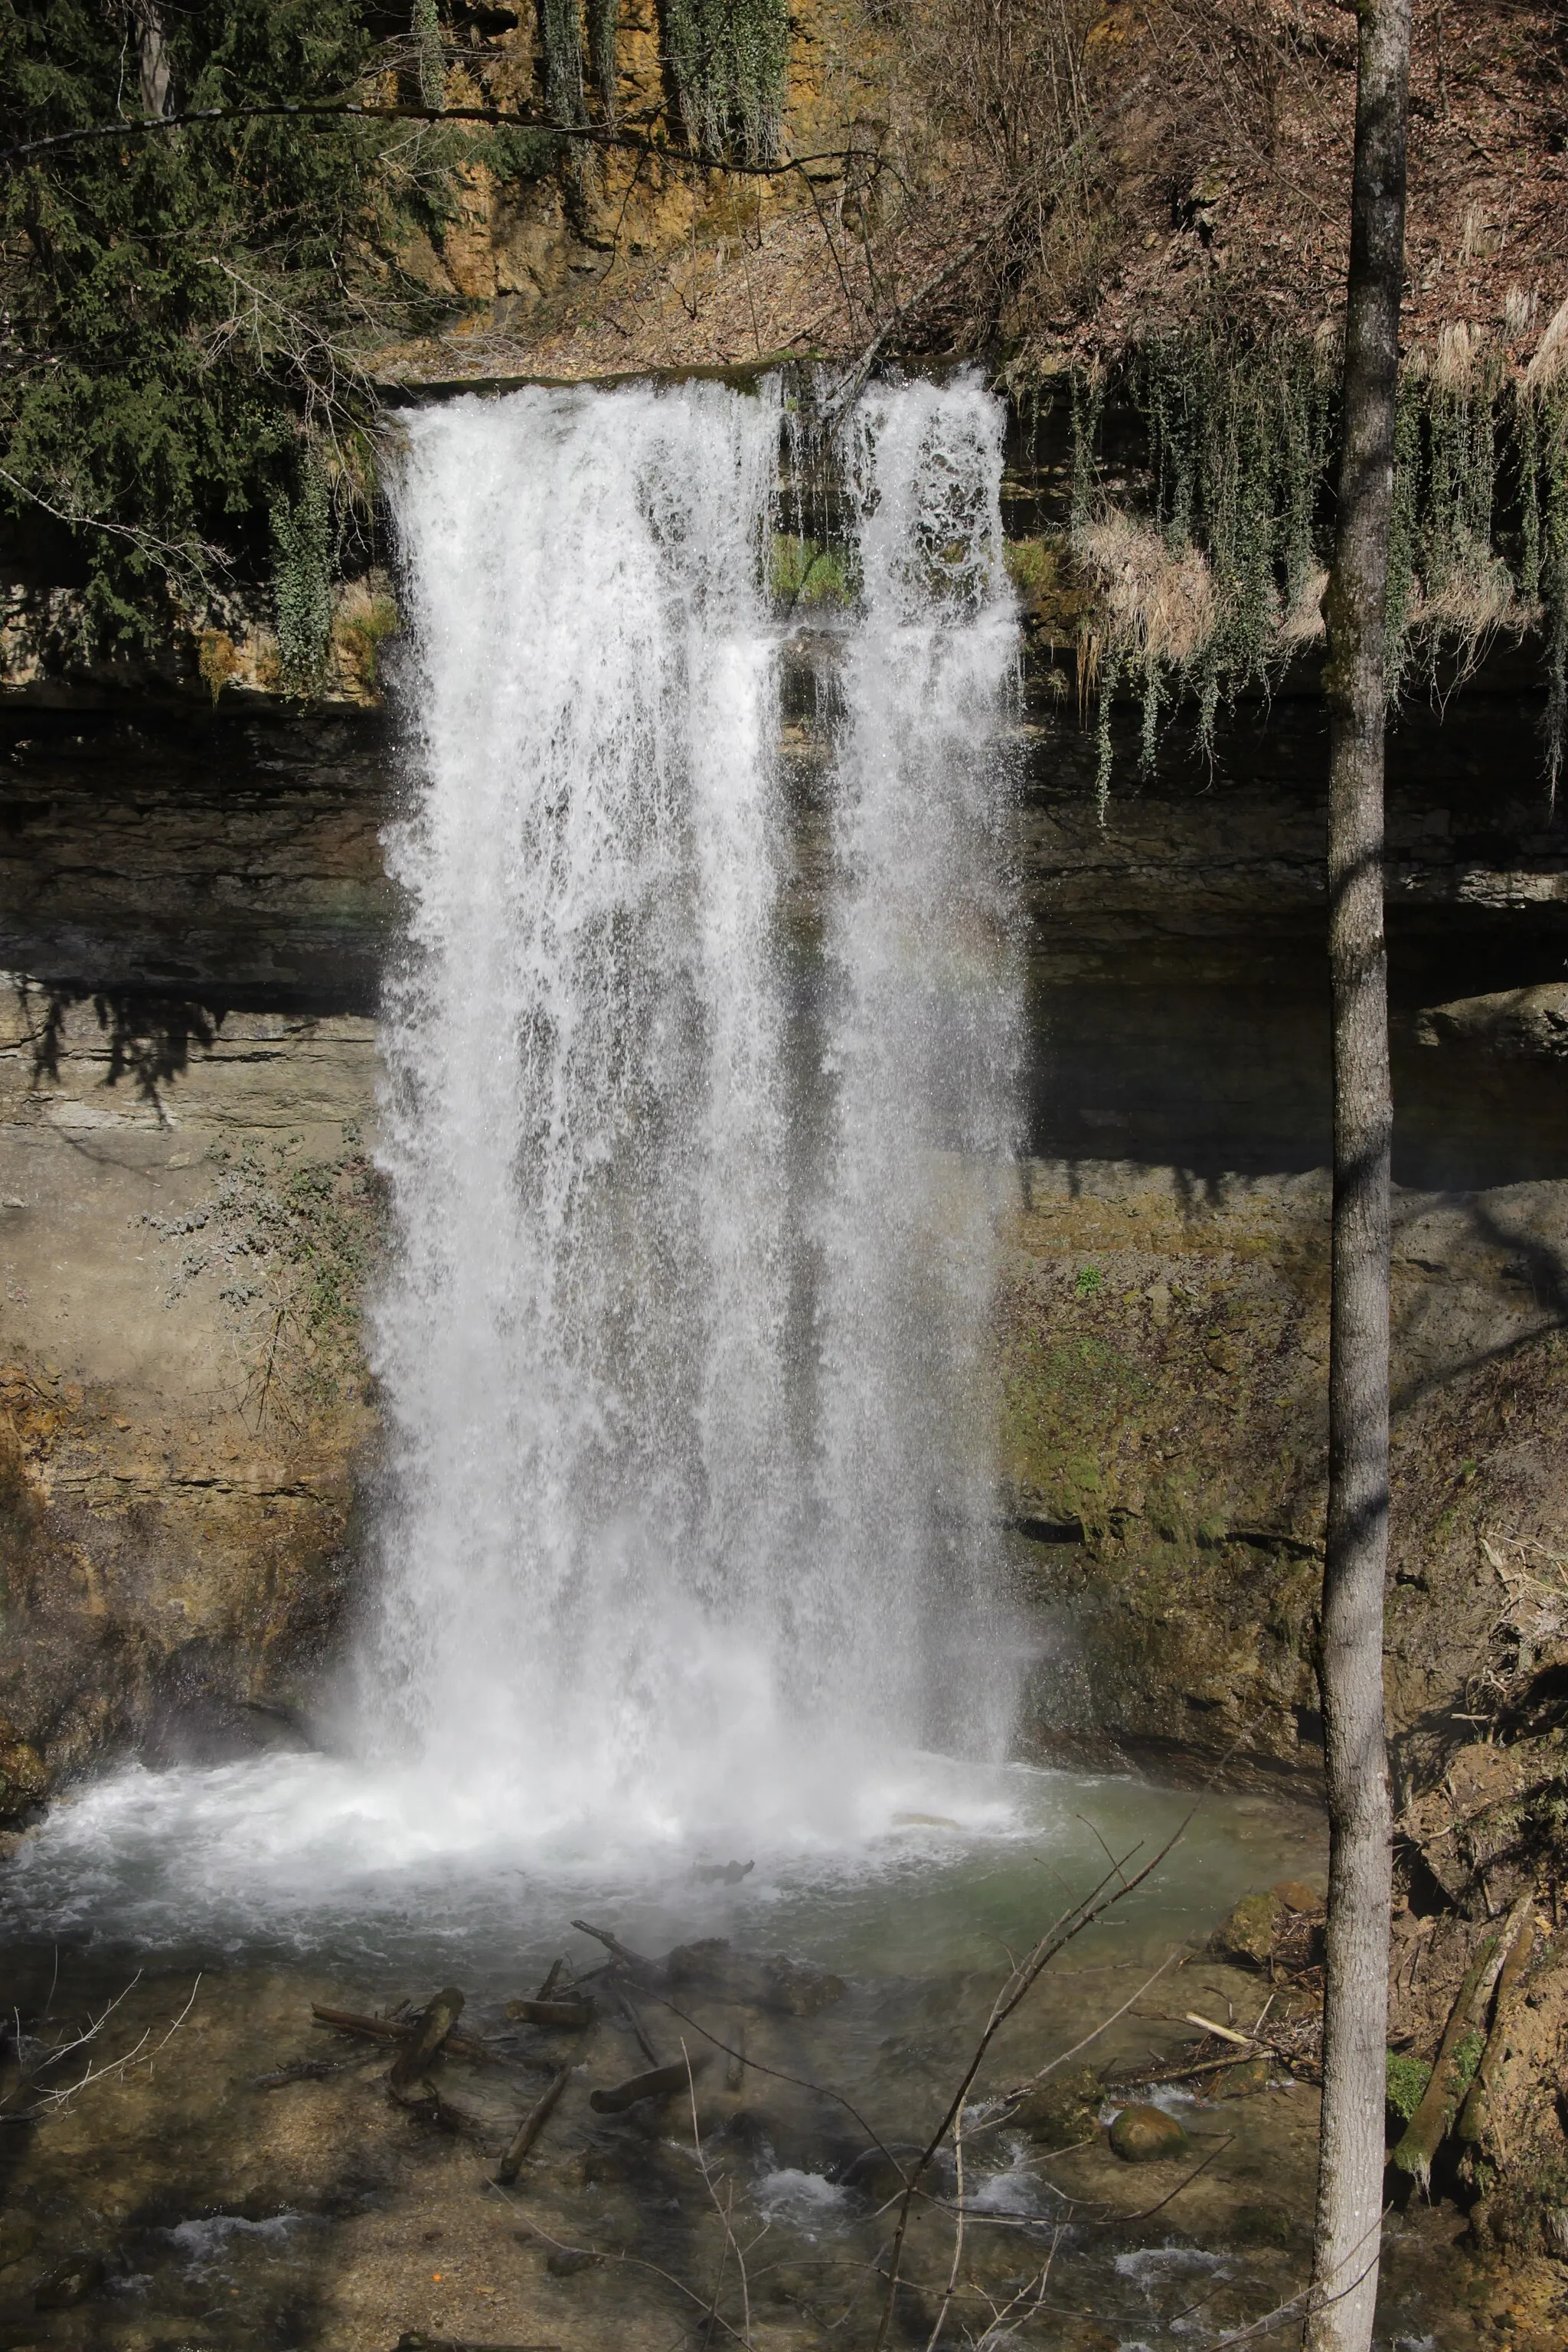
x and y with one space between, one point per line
18 2236
565 2262
1241 2082
1147 2136
790 1988
880 2173
76 2280
1060 2111
24 1780
1296 1896
1267 2225
749 2130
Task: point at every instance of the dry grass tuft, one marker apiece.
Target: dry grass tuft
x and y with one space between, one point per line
1302 625
1157 603
1550 359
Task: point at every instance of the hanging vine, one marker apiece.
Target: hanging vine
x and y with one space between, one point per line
727 59
1212 577
426 30
302 553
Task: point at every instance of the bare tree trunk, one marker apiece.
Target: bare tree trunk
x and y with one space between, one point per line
157 72
1355 2019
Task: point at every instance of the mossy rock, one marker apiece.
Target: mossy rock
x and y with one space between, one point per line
1062 2110
1248 1934
1241 2082
24 1776
76 2280
1406 2085
1147 2136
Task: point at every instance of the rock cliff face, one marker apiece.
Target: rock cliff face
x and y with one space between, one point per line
194 915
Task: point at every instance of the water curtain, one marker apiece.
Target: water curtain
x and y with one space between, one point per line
693 1170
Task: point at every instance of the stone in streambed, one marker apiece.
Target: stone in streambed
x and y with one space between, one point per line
882 2174
1248 1934
1296 1896
76 2280
1240 2082
1062 2110
1147 2136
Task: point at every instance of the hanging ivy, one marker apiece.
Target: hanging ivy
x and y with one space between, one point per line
727 59
1241 436
302 581
427 31
560 38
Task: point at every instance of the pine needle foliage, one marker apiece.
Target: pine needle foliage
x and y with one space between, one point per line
159 371
188 317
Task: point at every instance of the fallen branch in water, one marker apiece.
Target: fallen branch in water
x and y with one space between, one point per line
392 2029
1026 1974
532 2124
434 2028
662 2083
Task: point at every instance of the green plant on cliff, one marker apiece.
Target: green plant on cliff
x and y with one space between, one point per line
727 59
302 581
190 316
1205 573
174 304
290 1244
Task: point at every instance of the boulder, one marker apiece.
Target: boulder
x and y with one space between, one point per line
882 2174
1516 1023
1240 2082
76 2280
18 2236
1060 2111
1246 1934
1147 2136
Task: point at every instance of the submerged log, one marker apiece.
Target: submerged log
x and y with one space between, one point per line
571 2016
649 1970
528 2131
440 2016
660 2084
302 2070
638 2031
394 2029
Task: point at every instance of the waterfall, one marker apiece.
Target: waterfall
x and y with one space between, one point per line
681 1344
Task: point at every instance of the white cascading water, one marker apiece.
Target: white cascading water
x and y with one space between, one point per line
694 1116
686 1523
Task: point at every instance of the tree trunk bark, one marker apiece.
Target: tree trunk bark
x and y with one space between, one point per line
1355 2017
157 71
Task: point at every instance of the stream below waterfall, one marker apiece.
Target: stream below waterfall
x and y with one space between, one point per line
684 1611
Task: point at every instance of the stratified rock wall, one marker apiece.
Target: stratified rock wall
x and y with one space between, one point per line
194 915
